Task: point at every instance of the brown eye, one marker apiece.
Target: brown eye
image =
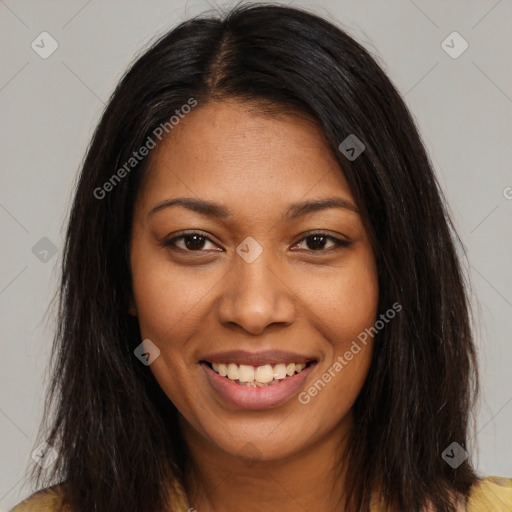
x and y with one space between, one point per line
194 242
189 242
317 242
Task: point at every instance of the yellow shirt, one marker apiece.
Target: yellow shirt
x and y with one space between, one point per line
491 494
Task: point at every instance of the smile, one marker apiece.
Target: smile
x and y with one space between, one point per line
258 376
256 387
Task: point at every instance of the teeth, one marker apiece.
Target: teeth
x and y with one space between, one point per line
260 376
264 374
279 371
290 369
245 373
233 371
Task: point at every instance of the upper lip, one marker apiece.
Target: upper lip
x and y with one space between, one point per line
257 358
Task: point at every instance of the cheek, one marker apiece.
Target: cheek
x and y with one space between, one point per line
345 310
169 310
346 304
162 309
165 300
359 296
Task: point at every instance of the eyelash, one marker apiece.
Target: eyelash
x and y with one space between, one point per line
339 243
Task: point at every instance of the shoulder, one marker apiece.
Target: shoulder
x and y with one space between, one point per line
44 500
492 493
489 494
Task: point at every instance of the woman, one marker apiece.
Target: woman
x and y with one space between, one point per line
261 303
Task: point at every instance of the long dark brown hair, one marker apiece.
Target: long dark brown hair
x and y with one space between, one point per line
115 430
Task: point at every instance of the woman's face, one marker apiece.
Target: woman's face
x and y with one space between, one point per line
254 291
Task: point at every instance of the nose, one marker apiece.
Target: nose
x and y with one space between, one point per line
255 295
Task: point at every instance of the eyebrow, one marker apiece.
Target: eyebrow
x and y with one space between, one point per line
295 210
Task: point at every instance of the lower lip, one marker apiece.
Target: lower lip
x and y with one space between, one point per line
255 397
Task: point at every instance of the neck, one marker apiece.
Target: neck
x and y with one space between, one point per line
310 479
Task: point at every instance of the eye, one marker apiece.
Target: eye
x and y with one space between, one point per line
316 242
195 241
192 241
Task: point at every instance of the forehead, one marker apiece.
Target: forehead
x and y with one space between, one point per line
224 150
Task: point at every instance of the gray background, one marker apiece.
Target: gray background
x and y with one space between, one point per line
49 108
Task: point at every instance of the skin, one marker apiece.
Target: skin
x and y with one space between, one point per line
294 297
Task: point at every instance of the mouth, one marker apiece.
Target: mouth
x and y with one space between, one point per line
258 376
249 387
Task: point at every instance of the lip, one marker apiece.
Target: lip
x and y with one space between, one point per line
254 398
257 358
